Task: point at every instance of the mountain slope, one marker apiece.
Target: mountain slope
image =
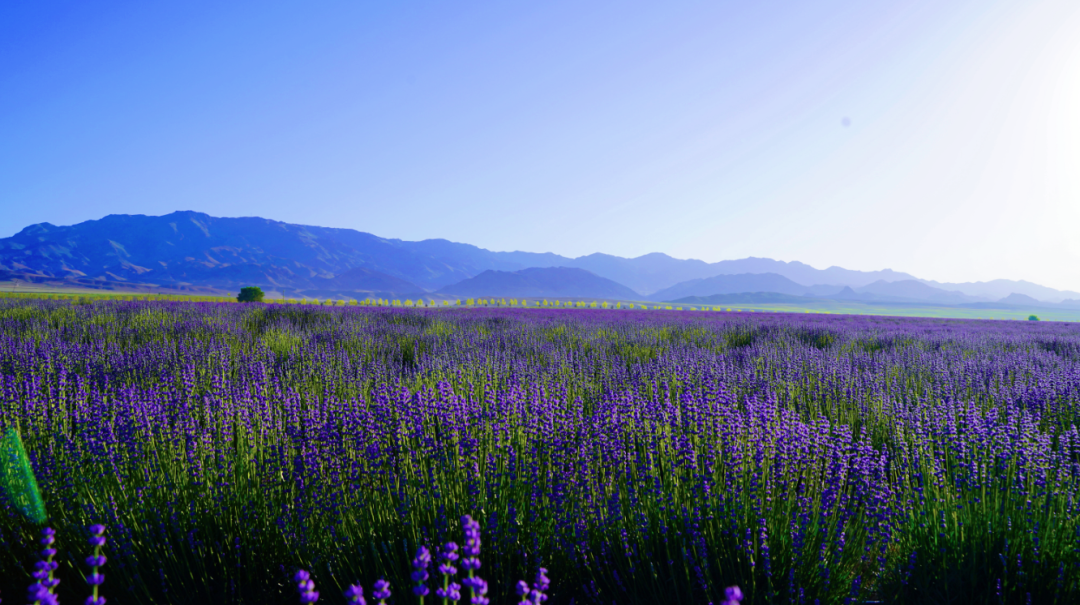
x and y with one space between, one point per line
771 283
806 275
746 298
1000 288
186 248
192 250
651 273
731 284
361 281
541 282
911 290
175 249
1022 300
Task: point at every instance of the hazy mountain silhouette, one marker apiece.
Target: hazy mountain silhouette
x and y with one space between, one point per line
1020 299
540 282
1000 288
188 249
1020 302
731 284
192 250
651 273
771 283
746 298
913 291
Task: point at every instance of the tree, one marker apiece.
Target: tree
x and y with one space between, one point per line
1033 318
250 294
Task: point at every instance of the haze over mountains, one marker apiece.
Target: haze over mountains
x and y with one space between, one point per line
195 251
538 282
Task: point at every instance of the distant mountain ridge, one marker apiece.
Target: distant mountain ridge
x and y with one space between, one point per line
540 282
193 250
732 284
653 272
1001 288
903 291
744 298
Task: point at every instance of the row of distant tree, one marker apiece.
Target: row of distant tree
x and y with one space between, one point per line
254 294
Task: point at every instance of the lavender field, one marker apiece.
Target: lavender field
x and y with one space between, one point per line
639 456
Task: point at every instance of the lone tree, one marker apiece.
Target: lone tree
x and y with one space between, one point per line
250 294
1033 318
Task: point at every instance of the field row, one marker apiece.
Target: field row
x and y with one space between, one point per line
639 457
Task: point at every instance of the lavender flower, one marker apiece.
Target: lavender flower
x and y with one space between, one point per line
381 591
541 582
471 549
471 562
419 574
535 594
447 557
41 591
450 591
306 587
95 561
478 588
732 596
354 595
522 590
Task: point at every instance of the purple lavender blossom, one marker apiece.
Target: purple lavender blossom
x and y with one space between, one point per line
450 591
306 587
354 595
419 574
381 591
41 591
95 578
542 582
40 595
533 595
447 556
478 588
471 562
471 549
732 596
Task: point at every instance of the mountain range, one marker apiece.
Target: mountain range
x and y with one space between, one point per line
538 282
902 291
194 251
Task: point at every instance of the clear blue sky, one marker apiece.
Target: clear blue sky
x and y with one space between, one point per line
938 137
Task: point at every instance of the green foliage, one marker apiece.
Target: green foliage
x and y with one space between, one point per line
281 342
250 294
17 478
1033 318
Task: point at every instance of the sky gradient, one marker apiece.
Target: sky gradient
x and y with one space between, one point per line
940 138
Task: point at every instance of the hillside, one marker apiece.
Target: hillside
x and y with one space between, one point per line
198 252
731 284
1000 288
912 291
565 282
195 250
906 291
743 298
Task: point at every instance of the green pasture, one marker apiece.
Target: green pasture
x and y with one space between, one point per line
894 309
38 291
